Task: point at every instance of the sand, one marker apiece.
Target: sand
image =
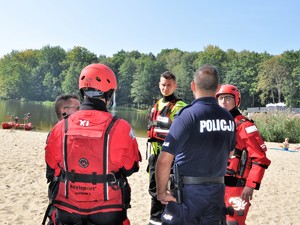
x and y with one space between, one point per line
24 190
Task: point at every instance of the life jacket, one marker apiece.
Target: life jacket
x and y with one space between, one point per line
247 165
159 121
237 163
87 183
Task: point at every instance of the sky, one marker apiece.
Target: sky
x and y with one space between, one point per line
105 27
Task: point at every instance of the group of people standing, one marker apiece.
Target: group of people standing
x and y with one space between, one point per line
205 161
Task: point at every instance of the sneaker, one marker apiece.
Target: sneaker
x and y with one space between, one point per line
154 222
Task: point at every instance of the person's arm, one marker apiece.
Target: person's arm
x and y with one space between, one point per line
127 155
259 162
53 153
162 175
178 106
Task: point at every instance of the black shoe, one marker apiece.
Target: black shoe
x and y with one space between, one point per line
154 222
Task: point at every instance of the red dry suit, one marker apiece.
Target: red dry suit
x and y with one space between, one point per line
245 168
92 162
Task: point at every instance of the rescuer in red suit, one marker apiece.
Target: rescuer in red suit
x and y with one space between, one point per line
247 165
89 156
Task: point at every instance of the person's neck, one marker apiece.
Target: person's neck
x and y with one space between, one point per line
93 103
234 112
201 94
169 98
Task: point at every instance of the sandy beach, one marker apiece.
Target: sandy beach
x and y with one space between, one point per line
24 190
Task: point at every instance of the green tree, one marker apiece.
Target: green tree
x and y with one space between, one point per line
211 55
242 71
127 70
271 79
15 74
76 59
46 74
291 88
145 81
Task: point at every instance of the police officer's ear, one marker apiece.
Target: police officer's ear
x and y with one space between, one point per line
193 86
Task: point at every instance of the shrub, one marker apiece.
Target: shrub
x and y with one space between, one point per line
276 126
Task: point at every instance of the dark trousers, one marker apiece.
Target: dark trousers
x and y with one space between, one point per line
157 207
107 218
203 204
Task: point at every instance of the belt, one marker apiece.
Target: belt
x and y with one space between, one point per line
202 180
90 178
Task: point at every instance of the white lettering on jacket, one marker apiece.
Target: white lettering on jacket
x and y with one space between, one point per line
163 119
216 125
84 123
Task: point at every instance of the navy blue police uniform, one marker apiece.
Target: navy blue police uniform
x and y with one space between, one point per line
200 138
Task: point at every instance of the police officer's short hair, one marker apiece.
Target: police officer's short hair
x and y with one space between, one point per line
207 78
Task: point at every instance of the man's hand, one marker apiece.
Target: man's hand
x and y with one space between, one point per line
162 175
247 193
166 197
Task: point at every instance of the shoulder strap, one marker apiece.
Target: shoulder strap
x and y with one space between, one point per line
168 108
105 153
114 119
243 120
65 150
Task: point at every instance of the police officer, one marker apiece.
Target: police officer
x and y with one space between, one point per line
160 120
246 167
200 139
92 153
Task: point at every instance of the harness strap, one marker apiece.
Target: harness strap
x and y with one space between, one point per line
65 153
105 153
47 213
90 178
234 181
85 210
243 120
202 180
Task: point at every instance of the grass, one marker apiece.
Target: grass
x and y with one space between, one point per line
276 126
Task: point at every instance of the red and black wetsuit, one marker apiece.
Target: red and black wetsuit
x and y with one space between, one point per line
245 168
91 163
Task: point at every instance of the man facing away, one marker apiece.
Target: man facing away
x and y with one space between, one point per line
200 139
92 153
160 119
247 166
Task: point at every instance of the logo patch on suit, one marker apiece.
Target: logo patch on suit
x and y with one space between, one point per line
83 162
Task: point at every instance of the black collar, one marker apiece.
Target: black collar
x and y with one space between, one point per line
93 104
235 112
169 98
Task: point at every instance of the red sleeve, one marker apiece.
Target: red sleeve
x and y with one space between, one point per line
53 148
125 147
248 137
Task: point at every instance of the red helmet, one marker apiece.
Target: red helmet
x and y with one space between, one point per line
99 77
232 90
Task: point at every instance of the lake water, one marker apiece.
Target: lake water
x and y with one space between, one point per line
43 117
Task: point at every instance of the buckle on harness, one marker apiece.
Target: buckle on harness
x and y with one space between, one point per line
117 184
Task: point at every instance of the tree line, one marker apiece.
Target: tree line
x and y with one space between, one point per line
43 74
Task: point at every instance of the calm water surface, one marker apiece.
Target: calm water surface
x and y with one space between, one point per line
43 116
